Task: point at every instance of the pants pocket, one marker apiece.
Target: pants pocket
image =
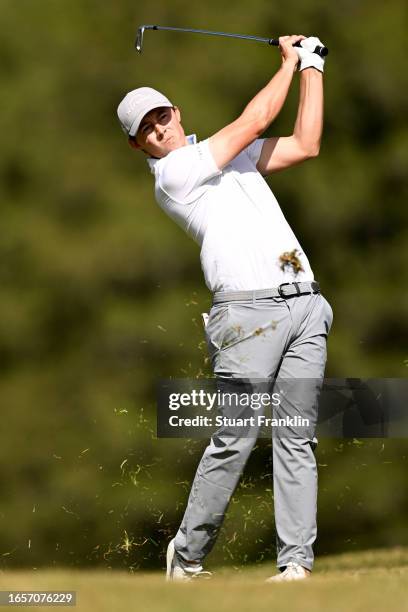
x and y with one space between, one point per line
217 325
328 315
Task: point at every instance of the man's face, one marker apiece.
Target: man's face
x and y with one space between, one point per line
160 132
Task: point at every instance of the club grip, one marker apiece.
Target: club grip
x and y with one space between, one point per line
322 51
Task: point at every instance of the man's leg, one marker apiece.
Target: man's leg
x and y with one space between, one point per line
245 341
215 481
294 462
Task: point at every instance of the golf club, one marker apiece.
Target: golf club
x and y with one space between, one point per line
322 51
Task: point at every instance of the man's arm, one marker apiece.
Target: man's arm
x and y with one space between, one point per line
261 110
281 152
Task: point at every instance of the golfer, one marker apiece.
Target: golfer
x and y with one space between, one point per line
268 318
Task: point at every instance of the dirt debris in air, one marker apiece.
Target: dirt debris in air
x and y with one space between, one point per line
259 330
290 259
240 331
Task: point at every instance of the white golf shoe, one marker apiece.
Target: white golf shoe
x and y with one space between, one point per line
293 571
177 573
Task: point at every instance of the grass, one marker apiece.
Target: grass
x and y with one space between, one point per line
356 582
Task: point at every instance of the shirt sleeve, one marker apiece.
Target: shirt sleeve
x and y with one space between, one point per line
183 173
254 150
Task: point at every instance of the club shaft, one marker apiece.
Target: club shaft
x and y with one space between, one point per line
322 51
227 34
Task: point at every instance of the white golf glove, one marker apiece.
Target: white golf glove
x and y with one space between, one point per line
308 59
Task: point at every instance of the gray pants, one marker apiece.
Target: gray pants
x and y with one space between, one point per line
262 339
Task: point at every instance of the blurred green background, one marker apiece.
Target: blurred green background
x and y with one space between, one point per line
101 293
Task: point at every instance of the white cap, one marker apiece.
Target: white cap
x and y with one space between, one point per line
136 104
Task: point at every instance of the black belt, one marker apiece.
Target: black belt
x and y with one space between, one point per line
285 290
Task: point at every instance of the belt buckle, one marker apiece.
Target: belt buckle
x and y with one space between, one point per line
280 289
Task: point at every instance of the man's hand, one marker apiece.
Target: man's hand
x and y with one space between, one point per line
287 50
308 59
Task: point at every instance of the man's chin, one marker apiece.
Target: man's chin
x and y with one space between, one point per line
170 146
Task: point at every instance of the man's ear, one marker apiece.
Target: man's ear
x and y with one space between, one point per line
177 112
132 143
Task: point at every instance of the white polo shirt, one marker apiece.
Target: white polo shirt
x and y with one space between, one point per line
232 214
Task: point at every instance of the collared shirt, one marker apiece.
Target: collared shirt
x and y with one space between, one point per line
246 242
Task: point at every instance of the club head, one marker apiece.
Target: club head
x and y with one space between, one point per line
139 39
